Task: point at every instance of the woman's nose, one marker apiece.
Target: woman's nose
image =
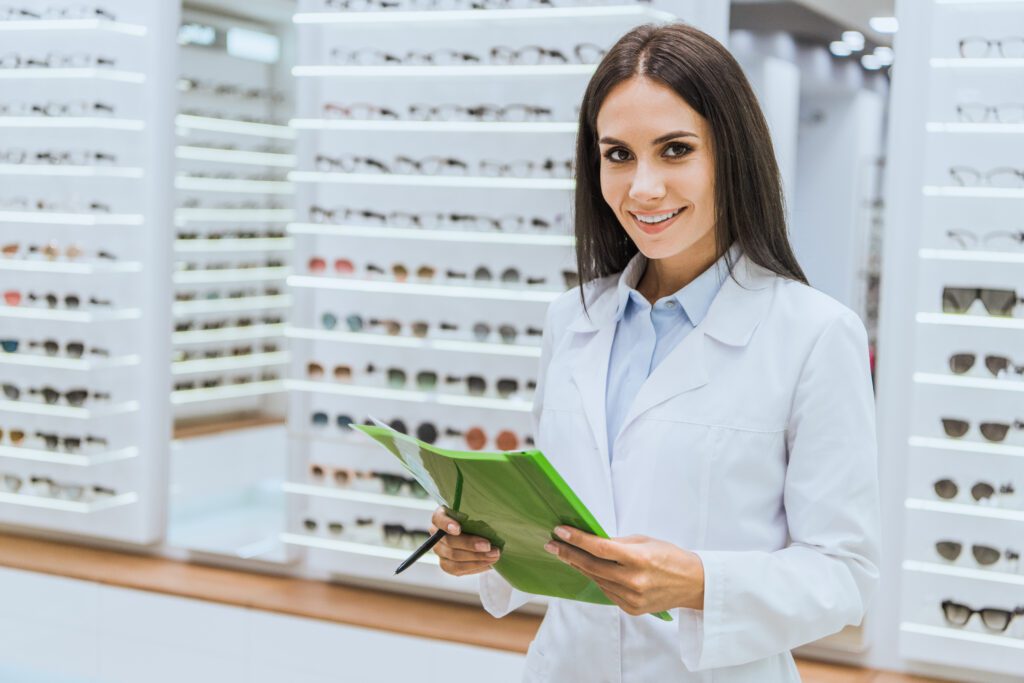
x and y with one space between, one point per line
647 184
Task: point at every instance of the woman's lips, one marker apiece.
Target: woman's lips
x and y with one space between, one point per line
655 228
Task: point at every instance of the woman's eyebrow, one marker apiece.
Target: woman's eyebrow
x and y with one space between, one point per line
657 141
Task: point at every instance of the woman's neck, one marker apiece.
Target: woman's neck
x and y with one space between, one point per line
663 277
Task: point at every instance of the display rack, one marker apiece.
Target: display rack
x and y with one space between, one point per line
945 125
84 225
233 153
379 297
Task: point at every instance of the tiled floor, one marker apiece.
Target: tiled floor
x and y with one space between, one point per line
818 672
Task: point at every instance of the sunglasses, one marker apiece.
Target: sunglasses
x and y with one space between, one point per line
51 251
999 366
992 431
230 234
311 525
53 60
232 352
69 443
983 554
78 108
71 301
342 476
320 419
14 436
476 439
74 397
225 323
435 221
996 301
947 489
213 382
399 536
45 486
993 618
51 347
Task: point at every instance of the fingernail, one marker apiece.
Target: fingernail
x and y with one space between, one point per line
494 553
483 546
551 548
453 528
561 532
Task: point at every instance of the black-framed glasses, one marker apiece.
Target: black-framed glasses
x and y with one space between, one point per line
69 108
984 555
995 238
978 112
56 60
437 221
16 155
71 444
1000 302
947 489
999 366
69 12
74 397
1002 176
979 47
994 618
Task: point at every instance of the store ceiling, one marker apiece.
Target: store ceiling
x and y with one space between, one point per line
816 21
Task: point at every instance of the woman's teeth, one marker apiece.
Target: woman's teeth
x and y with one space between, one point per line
650 220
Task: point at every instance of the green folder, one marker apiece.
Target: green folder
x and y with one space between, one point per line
513 499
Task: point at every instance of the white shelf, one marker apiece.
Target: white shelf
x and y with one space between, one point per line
454 291
961 320
982 63
101 25
481 17
234 156
92 74
253 360
184 277
234 245
366 549
977 192
62 315
31 408
72 459
250 303
486 71
966 446
72 122
560 184
69 267
460 236
363 497
936 379
59 171
233 186
410 396
971 256
184 216
996 128
1005 578
961 635
228 391
980 511
69 505
228 334
531 127
260 130
54 218
63 363
455 345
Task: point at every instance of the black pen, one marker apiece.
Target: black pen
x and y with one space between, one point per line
418 553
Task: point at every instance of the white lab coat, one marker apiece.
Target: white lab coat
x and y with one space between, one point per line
751 444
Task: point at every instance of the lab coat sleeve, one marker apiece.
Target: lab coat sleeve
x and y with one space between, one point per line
496 594
757 604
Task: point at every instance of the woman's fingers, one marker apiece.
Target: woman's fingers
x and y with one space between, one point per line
450 552
464 568
441 520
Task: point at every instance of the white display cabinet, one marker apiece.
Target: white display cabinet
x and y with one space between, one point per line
954 225
455 298
84 157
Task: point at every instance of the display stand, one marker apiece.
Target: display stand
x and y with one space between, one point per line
84 137
953 120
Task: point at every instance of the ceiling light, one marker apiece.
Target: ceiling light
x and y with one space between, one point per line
839 48
855 39
884 55
870 62
884 24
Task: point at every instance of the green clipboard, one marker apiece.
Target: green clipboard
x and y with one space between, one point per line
513 499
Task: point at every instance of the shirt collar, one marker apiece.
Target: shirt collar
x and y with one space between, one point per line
694 298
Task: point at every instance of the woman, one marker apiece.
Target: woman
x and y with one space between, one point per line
713 411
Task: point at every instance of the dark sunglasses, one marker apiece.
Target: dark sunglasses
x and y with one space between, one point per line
992 431
74 397
999 302
983 554
947 489
993 618
961 363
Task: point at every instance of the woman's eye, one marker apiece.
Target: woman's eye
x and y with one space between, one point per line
680 149
613 155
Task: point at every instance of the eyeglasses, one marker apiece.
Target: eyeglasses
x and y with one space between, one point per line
45 486
976 112
73 108
54 60
13 297
363 5
51 251
220 89
215 294
998 238
400 536
70 444
230 234
476 439
983 554
218 114
976 47
74 397
227 265
14 436
584 53
993 618
440 221
992 431
482 331
436 165
999 302
213 382
231 352
1004 176
999 366
476 385
947 489
439 112
69 12
56 157
225 323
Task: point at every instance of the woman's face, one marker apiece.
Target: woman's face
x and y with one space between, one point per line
657 164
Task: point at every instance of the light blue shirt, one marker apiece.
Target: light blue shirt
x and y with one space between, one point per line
645 334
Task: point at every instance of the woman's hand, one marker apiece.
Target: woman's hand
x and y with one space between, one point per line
638 573
461 555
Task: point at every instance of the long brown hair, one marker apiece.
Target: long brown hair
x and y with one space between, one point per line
749 203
